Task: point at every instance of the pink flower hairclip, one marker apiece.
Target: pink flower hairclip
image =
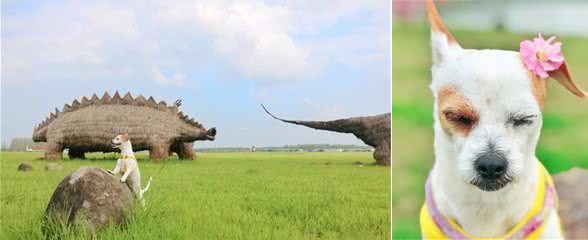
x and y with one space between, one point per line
541 56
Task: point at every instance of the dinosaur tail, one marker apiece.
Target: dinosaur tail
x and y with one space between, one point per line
144 190
348 125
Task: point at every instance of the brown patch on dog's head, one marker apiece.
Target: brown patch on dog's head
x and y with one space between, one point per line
539 89
436 22
125 136
457 115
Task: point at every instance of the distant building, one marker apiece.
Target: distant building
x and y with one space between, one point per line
330 150
41 148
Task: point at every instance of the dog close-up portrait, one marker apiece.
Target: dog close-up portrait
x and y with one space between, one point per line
488 178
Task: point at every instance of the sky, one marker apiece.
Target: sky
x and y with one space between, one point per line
302 59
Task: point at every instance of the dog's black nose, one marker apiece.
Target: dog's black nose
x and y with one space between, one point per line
491 165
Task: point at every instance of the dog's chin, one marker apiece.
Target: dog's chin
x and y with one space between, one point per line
114 145
491 185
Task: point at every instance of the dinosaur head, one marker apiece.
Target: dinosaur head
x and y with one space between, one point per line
210 134
40 134
197 134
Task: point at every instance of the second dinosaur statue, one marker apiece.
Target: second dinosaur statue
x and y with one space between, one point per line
372 130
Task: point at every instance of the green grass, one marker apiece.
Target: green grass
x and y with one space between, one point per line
563 138
222 196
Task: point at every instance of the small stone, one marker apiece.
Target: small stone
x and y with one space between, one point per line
25 167
53 167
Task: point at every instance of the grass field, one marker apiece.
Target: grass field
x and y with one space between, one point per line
563 139
223 196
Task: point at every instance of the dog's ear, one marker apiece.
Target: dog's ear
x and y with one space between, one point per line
563 76
125 137
443 43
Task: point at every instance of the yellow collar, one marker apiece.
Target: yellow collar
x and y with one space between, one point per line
125 157
436 226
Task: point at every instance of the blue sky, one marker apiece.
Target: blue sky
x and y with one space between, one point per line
302 59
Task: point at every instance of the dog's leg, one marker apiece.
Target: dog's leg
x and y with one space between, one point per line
116 168
135 184
126 175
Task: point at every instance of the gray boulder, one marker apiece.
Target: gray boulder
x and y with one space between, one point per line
572 189
25 167
53 167
90 198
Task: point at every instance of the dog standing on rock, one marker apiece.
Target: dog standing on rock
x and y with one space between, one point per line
127 164
486 181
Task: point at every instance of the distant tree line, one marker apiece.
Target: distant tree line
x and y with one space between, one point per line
20 144
293 148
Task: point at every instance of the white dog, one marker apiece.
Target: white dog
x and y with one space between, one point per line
486 181
127 164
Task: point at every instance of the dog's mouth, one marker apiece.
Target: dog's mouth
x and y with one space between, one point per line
491 185
114 145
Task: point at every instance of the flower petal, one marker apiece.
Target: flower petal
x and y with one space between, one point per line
551 56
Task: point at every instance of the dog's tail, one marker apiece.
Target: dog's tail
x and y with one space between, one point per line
144 190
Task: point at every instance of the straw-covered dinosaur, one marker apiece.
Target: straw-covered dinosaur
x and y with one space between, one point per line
90 124
372 130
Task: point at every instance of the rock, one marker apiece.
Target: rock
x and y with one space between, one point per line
53 167
572 189
25 167
90 198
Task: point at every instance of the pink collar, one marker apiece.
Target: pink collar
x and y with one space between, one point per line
534 223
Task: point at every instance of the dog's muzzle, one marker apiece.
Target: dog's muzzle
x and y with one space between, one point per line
492 171
114 145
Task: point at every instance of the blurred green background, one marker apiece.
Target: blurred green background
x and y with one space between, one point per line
563 142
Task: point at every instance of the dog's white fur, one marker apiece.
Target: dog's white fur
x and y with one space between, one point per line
497 85
132 175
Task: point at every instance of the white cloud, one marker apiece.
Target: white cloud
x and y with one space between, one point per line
252 36
261 40
176 79
62 41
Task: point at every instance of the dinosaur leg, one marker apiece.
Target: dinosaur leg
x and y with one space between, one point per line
187 151
54 151
76 153
382 154
159 152
184 150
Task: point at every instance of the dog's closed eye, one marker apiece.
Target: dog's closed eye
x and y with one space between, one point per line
518 121
459 119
